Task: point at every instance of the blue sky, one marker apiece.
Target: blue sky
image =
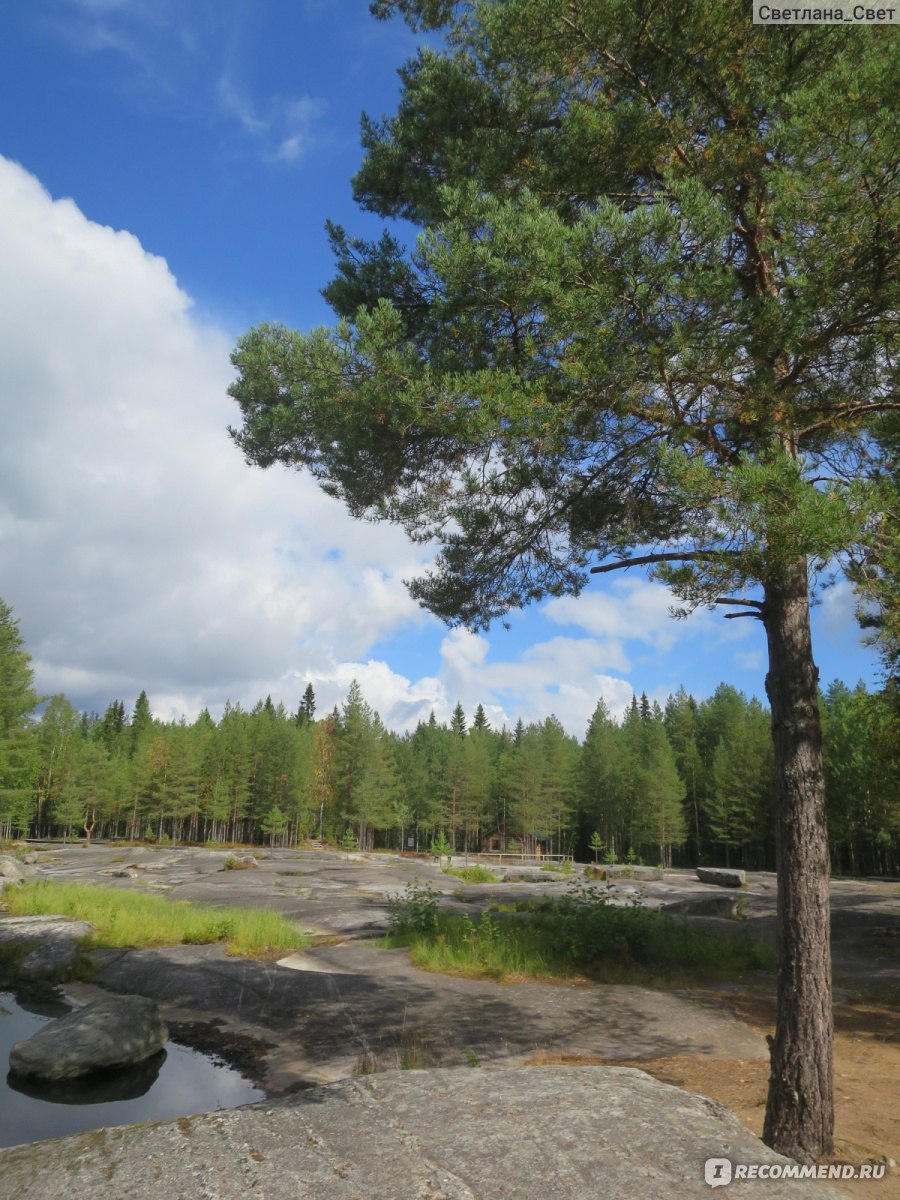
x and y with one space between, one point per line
167 169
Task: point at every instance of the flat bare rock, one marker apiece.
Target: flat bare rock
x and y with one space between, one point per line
464 1134
41 929
49 961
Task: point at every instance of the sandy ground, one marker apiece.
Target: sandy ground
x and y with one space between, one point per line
867 1085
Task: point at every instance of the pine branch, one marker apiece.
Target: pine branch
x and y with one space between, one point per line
740 601
645 559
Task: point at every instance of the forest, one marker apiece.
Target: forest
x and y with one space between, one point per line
686 783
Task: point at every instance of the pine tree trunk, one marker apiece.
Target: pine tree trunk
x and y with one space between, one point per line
800 1109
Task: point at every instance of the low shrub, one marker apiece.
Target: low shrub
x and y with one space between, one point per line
415 912
583 933
566 867
473 874
239 862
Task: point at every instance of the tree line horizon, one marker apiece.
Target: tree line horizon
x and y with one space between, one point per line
685 783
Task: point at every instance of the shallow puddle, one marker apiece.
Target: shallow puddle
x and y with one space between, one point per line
176 1082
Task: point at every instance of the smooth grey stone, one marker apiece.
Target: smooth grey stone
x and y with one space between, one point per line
112 1032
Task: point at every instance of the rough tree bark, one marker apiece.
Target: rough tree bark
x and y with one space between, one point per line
800 1109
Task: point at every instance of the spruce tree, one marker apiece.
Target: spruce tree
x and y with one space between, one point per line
141 722
480 721
307 710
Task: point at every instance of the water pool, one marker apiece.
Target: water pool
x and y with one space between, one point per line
176 1082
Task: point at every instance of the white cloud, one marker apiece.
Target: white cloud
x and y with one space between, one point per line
138 549
283 129
143 553
562 676
838 610
144 32
627 608
401 703
235 104
188 56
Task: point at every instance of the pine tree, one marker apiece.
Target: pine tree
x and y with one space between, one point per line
680 720
429 775
526 784
57 734
659 820
650 320
19 760
605 779
560 782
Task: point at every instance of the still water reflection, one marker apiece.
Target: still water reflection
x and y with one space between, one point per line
175 1082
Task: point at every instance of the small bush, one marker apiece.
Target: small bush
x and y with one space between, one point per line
474 874
565 867
416 911
441 848
583 933
239 862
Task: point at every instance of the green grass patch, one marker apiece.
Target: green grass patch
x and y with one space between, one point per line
581 935
473 874
129 919
565 867
484 949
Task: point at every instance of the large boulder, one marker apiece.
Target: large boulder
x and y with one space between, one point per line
13 870
113 1032
614 871
723 876
462 1134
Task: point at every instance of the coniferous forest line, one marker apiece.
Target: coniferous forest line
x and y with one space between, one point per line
675 785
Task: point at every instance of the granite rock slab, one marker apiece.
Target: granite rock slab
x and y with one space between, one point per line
464 1134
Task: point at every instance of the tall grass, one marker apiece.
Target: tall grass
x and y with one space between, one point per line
581 935
473 874
129 919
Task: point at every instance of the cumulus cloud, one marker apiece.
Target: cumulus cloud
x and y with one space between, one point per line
838 609
138 549
141 552
563 676
628 608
